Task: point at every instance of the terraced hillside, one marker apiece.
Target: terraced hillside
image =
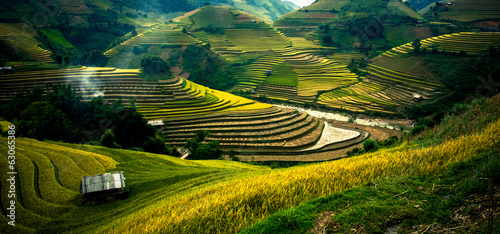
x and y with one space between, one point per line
239 31
114 84
158 35
467 11
20 37
171 195
267 129
383 90
111 83
185 107
328 11
297 75
473 43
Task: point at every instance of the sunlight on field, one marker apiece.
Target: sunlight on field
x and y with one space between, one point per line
231 207
5 125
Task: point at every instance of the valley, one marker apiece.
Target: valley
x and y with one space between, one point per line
251 116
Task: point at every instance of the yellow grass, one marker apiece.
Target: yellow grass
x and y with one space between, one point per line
5 125
230 207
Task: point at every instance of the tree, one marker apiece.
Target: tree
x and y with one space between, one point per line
370 144
416 46
136 50
108 140
41 121
200 150
96 58
156 145
326 40
154 65
59 59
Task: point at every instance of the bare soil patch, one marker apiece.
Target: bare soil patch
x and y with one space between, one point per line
326 15
324 223
423 32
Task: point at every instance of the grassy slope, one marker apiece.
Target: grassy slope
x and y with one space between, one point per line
172 195
154 180
429 201
411 204
219 17
231 207
57 37
319 12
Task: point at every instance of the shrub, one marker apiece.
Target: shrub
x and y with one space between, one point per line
370 144
156 145
354 152
418 129
108 140
392 140
154 65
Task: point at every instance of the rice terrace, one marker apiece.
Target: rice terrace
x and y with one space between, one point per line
239 116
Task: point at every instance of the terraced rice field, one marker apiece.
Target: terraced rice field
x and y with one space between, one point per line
20 37
297 75
245 37
386 90
316 73
464 10
203 101
111 83
254 74
473 43
159 35
185 106
170 195
270 129
302 43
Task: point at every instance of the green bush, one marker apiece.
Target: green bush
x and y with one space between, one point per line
370 144
154 65
108 140
418 129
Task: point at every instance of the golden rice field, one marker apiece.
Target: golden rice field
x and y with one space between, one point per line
20 37
473 43
171 195
231 207
159 35
298 75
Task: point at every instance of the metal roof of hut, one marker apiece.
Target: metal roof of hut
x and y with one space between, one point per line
109 182
156 123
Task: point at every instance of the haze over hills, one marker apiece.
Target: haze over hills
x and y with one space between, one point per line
252 116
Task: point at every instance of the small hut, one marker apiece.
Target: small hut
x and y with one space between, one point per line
103 185
6 70
417 97
156 123
269 73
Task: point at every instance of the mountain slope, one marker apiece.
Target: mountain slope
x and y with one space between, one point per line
334 11
266 9
468 11
173 195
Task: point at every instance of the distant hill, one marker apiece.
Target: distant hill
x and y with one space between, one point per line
293 5
267 9
330 11
467 11
418 5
